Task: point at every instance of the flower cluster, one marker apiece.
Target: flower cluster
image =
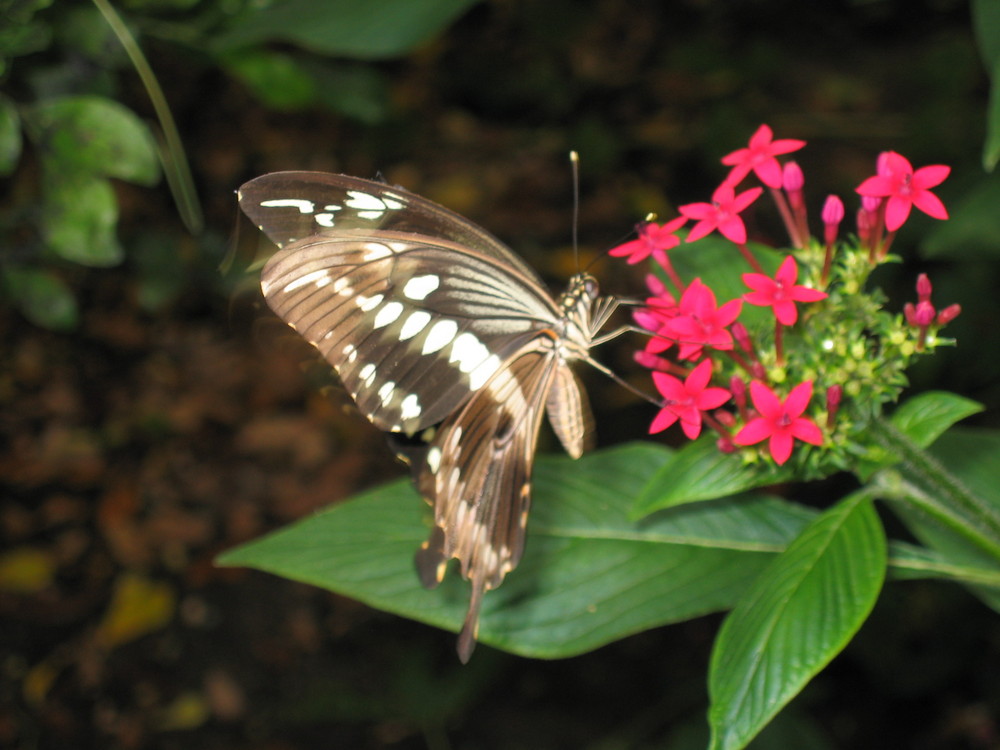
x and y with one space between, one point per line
807 326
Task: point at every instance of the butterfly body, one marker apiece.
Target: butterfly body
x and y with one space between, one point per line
436 329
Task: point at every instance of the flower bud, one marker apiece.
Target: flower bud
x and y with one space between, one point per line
924 288
948 314
792 179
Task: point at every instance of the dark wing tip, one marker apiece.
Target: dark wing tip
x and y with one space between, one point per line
470 628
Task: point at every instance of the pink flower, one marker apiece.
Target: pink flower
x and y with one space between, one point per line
759 157
904 188
653 240
699 323
781 292
723 213
685 401
780 422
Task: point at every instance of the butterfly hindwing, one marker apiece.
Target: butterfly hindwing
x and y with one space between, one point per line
477 476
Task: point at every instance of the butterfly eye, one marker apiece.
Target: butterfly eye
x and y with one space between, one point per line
591 287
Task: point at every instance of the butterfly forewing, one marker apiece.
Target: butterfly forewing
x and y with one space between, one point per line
289 206
411 324
434 326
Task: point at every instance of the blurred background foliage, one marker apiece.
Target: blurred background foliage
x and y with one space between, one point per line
153 415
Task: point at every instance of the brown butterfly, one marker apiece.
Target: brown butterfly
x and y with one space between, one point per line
437 330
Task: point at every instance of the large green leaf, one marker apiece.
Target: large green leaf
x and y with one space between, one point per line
589 575
796 616
94 136
971 456
372 30
700 471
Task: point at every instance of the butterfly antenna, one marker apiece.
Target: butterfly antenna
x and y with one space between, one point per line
574 160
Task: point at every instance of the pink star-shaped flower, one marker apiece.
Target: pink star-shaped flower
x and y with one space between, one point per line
903 188
759 157
685 401
699 323
781 292
653 240
723 213
781 423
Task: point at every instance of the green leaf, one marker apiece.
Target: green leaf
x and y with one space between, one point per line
991 148
909 562
80 218
700 471
356 90
20 32
986 23
42 297
925 417
10 136
275 78
794 619
373 30
589 575
93 135
973 229
970 455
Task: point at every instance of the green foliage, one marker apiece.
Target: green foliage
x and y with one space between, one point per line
798 614
589 575
94 136
42 297
374 30
67 116
986 23
327 37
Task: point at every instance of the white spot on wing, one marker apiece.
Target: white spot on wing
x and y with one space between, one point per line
324 219
320 278
376 251
350 352
367 374
420 286
367 304
482 373
434 459
410 408
388 314
364 201
414 324
304 206
386 391
468 352
441 334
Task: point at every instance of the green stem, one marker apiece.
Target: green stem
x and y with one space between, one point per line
920 481
175 165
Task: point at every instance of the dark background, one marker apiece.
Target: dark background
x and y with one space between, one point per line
153 436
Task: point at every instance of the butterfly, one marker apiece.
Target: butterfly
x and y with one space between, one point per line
442 334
